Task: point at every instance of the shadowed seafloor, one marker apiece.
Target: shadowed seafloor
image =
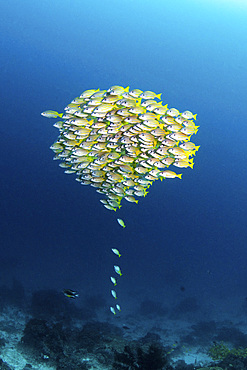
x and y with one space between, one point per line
46 330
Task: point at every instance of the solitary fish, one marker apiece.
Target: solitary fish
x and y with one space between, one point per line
121 222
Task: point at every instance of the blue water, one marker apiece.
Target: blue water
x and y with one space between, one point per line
190 232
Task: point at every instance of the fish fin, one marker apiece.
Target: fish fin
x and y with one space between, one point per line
127 89
179 176
159 96
194 116
138 102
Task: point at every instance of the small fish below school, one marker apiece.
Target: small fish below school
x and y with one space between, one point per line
114 294
116 251
112 309
118 270
113 280
121 222
70 293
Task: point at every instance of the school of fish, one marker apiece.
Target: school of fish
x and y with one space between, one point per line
121 141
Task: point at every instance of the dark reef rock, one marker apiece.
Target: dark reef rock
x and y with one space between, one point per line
232 335
150 338
4 365
136 358
2 342
64 348
202 333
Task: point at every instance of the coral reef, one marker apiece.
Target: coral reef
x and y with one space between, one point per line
154 358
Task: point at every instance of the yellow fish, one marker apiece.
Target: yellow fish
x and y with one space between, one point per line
51 114
88 93
118 270
112 309
150 95
170 174
121 222
131 199
173 112
116 251
114 294
188 115
135 93
103 108
113 280
118 90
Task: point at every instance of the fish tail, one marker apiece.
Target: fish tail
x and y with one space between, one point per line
119 255
194 116
159 96
127 89
60 115
179 176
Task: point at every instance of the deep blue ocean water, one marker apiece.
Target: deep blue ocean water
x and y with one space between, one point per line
190 232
